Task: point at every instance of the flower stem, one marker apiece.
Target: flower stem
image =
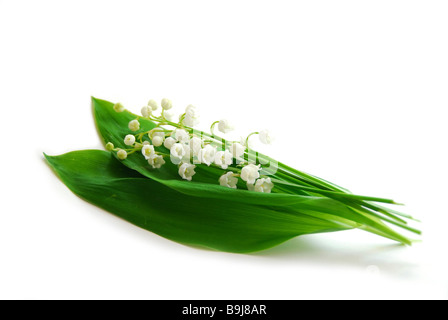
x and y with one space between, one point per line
212 127
247 139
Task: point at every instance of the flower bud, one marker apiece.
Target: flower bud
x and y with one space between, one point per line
169 142
166 104
118 107
225 126
146 111
191 116
122 154
265 137
153 105
134 125
110 146
157 141
129 140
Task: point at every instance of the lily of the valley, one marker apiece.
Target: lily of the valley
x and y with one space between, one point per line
168 115
177 152
237 150
225 126
186 171
187 148
134 125
158 133
228 180
181 135
118 107
223 159
110 146
250 173
263 185
169 142
186 157
191 116
146 111
196 145
129 140
156 161
148 151
265 137
157 141
122 154
207 155
166 104
153 104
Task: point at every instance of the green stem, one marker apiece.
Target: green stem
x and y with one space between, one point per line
300 178
333 193
212 127
247 139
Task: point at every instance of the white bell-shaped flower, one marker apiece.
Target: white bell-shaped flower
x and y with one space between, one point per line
207 155
225 126
250 173
110 146
186 171
129 140
134 125
265 137
148 151
177 152
169 142
118 107
146 111
153 104
156 161
191 116
122 154
159 134
223 159
181 135
191 110
169 115
157 141
228 180
237 150
186 157
263 185
166 104
196 144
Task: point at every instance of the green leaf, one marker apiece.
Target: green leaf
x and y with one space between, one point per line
330 202
221 224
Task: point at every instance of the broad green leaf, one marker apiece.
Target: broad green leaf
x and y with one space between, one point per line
221 224
337 206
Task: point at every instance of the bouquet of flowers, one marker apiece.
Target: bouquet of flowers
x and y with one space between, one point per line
197 188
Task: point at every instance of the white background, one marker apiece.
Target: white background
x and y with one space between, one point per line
355 91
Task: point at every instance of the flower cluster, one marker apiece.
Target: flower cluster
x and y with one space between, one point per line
188 148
